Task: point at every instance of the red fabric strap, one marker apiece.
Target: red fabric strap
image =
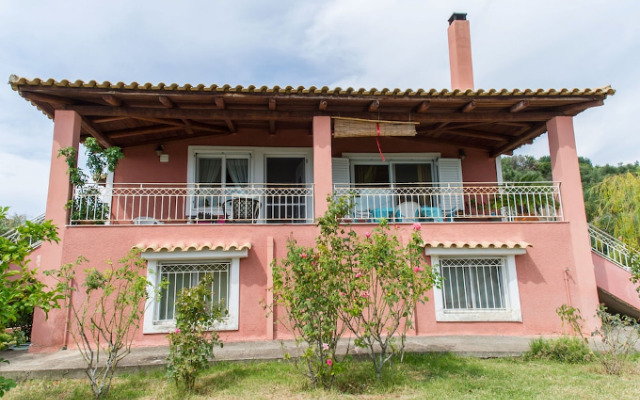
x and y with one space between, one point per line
378 141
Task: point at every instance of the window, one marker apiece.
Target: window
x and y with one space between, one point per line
222 170
181 276
477 284
183 270
473 283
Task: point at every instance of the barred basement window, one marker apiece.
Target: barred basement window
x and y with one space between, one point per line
473 283
183 276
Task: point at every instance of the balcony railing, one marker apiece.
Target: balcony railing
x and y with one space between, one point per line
449 202
612 249
157 203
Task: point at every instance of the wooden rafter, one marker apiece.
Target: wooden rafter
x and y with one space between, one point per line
125 133
323 105
477 135
108 119
423 106
532 133
260 115
272 127
187 126
219 102
470 106
166 101
54 100
574 109
272 104
112 100
93 131
519 106
374 105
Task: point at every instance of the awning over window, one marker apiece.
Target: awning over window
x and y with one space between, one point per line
195 246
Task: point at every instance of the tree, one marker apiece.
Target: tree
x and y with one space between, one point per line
618 207
104 324
20 290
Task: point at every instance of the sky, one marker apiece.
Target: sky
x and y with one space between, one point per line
346 43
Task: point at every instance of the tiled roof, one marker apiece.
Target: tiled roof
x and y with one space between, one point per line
175 247
16 81
478 245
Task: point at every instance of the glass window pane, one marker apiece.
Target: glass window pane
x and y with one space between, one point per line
209 170
371 173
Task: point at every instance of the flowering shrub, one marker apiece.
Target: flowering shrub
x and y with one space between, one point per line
191 344
385 281
308 284
368 284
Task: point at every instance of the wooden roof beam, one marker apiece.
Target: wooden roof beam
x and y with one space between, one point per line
478 135
54 100
439 129
423 106
470 106
187 126
99 136
272 104
374 105
537 130
230 125
108 119
166 101
112 100
574 109
323 105
519 106
220 103
167 121
258 115
142 131
272 127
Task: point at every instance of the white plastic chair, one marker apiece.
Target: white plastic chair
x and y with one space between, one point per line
409 211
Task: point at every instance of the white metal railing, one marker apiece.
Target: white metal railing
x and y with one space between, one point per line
448 202
13 235
612 249
158 203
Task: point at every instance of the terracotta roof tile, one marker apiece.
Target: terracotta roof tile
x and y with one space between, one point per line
180 246
478 245
16 82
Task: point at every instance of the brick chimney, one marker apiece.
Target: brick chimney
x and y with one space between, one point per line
460 52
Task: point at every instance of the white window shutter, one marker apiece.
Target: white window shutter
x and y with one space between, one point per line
340 170
450 178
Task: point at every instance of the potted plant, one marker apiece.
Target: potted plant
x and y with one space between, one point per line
87 204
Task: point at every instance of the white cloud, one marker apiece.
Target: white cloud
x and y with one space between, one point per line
346 43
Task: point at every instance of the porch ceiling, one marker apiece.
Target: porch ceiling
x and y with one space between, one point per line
497 121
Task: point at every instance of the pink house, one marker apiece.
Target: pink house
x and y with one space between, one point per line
216 178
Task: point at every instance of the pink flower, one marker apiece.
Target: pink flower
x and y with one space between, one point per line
417 226
329 362
177 330
364 294
367 234
417 269
325 346
303 255
358 275
314 263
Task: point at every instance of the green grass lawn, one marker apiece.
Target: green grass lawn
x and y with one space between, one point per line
437 376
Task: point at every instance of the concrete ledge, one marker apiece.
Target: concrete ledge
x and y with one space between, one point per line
69 363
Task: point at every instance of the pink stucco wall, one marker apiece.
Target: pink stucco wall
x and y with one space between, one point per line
615 280
540 272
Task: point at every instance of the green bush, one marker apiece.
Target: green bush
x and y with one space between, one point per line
191 344
565 349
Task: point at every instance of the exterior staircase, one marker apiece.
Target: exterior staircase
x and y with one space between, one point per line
612 262
13 234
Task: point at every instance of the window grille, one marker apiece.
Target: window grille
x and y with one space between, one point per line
181 276
473 283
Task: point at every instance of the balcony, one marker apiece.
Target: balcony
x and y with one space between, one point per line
453 202
175 203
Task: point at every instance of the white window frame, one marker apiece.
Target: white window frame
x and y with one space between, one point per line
512 312
154 260
391 159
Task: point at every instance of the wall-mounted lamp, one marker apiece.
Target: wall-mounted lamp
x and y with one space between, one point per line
461 154
160 152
